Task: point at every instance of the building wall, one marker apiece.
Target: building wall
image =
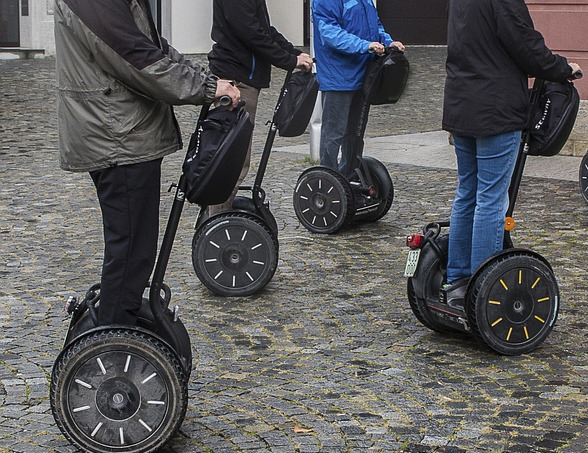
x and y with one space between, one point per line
191 21
563 24
36 29
415 21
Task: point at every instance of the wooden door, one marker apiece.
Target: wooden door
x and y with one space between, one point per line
415 21
9 23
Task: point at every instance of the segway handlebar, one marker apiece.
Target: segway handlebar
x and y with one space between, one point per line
577 75
225 101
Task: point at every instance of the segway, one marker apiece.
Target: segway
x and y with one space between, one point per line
512 301
235 253
120 388
326 200
584 177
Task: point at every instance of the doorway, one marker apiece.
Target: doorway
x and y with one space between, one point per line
9 23
415 21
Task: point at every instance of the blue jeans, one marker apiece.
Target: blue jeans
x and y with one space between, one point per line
342 129
484 166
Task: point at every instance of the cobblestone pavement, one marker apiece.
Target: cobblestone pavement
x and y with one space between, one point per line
328 358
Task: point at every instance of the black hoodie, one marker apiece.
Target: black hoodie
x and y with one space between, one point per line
246 45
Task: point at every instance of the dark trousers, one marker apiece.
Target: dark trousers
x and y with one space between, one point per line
343 126
129 198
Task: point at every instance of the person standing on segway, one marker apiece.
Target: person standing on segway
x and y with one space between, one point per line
117 79
346 35
492 49
246 46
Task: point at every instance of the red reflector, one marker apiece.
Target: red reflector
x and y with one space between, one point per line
414 240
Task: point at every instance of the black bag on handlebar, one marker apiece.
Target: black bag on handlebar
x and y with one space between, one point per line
385 78
553 118
297 101
216 153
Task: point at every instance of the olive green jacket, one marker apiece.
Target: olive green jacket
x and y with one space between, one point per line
117 80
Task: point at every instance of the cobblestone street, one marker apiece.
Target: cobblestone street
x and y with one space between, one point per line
328 358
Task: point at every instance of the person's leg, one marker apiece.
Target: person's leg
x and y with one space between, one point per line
496 160
250 95
352 146
129 198
336 105
462 213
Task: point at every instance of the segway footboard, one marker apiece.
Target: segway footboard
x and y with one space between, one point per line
425 278
84 318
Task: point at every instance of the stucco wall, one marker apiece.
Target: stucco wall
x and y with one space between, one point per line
563 24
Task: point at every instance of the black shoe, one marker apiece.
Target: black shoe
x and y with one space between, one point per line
453 294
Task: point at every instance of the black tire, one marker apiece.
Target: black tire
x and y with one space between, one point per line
384 189
426 282
514 303
118 390
323 201
234 254
414 306
584 177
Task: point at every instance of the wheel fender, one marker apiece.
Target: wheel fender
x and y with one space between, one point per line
112 327
375 166
318 167
247 205
499 255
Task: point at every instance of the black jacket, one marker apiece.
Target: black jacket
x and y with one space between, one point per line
492 48
246 45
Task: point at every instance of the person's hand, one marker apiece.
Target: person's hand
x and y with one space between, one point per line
377 47
304 62
576 70
398 45
227 88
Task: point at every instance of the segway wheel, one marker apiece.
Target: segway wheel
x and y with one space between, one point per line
119 390
383 188
235 254
323 201
426 282
584 177
514 303
414 305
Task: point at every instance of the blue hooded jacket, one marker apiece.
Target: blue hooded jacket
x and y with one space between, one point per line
343 31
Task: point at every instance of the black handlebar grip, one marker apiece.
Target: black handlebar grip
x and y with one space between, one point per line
225 101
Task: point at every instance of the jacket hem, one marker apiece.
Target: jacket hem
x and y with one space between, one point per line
104 165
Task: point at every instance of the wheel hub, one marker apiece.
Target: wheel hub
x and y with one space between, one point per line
319 202
234 256
118 399
520 309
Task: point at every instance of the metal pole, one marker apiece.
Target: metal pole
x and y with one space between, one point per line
315 120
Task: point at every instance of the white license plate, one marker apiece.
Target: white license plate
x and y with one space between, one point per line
412 260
